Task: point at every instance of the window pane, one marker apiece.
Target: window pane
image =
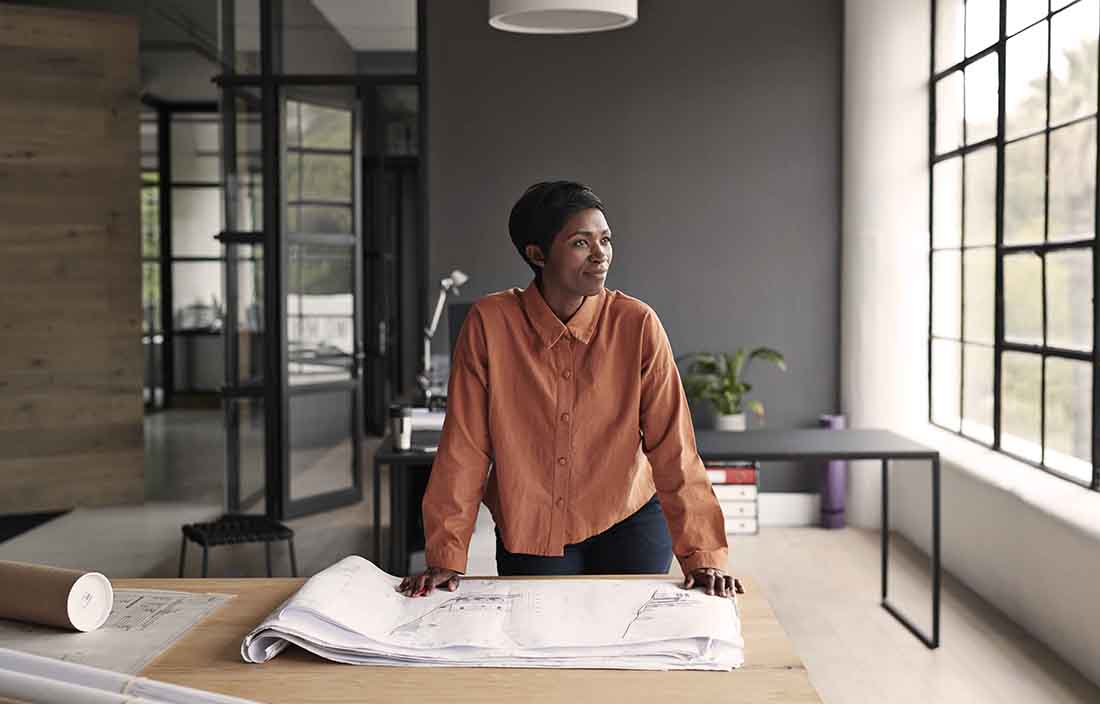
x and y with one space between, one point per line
949 114
1069 299
196 149
946 283
1021 13
293 176
324 219
250 316
320 443
326 177
196 219
1073 62
320 312
981 196
1025 82
978 393
981 99
1020 383
1024 298
197 295
949 33
983 21
326 127
1024 184
1072 175
250 204
1069 417
947 202
400 107
246 36
978 311
250 419
946 358
150 297
147 128
246 207
150 221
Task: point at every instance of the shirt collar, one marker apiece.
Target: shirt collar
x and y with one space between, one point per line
549 327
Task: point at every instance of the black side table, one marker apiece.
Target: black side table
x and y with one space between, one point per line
408 475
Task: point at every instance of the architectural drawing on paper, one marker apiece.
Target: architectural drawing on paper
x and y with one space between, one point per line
660 601
476 605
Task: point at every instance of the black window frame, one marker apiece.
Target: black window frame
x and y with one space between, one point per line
1000 345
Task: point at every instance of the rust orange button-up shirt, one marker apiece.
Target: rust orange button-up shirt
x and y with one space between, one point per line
566 429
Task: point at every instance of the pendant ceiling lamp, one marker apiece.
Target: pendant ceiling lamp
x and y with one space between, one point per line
561 16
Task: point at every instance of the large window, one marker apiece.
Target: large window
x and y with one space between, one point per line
1014 259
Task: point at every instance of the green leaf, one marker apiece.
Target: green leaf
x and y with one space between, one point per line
738 364
769 355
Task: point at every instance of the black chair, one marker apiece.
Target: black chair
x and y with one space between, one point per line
231 529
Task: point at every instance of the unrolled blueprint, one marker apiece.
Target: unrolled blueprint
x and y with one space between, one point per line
142 624
352 613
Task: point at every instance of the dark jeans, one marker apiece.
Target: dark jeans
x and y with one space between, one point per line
639 544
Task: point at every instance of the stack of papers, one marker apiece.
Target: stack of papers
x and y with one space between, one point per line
352 613
423 419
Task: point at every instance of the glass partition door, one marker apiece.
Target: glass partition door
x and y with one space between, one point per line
322 229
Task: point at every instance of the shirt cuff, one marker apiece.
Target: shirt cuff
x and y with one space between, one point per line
717 559
450 559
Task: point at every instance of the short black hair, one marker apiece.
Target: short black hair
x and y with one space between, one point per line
543 210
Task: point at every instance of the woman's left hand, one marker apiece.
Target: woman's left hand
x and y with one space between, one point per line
714 581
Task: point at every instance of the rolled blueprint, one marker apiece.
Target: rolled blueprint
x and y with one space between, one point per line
53 596
27 677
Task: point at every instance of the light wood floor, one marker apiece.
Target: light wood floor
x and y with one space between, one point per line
824 587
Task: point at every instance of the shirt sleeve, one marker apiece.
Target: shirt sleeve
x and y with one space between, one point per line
457 480
668 438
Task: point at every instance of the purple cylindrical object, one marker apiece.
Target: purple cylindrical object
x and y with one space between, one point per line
834 480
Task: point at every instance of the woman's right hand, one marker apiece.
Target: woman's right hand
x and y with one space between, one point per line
424 583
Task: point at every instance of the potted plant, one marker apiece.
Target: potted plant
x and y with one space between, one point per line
720 380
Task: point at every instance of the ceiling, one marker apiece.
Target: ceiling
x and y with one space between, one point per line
373 25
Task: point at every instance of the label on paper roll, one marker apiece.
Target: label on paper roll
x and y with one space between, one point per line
90 601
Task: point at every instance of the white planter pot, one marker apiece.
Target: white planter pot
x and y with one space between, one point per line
735 421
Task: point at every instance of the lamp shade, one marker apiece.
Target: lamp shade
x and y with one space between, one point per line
561 16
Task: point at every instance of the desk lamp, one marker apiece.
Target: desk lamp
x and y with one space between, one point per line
448 284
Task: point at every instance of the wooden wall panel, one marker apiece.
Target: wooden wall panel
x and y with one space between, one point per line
70 272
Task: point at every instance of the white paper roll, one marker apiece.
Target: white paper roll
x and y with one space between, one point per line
54 597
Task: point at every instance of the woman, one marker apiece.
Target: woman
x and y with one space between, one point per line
569 392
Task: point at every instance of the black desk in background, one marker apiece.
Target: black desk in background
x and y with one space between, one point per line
752 445
408 471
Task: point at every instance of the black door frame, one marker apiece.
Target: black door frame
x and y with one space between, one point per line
274 388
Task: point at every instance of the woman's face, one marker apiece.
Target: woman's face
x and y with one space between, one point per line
580 255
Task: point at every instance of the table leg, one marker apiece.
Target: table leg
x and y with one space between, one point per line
885 532
396 564
377 499
933 641
936 552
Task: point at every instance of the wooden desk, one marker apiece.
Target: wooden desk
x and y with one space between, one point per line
209 657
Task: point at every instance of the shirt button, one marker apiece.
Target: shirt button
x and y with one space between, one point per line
565 417
560 501
562 460
567 374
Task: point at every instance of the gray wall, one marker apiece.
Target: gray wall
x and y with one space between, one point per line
711 131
